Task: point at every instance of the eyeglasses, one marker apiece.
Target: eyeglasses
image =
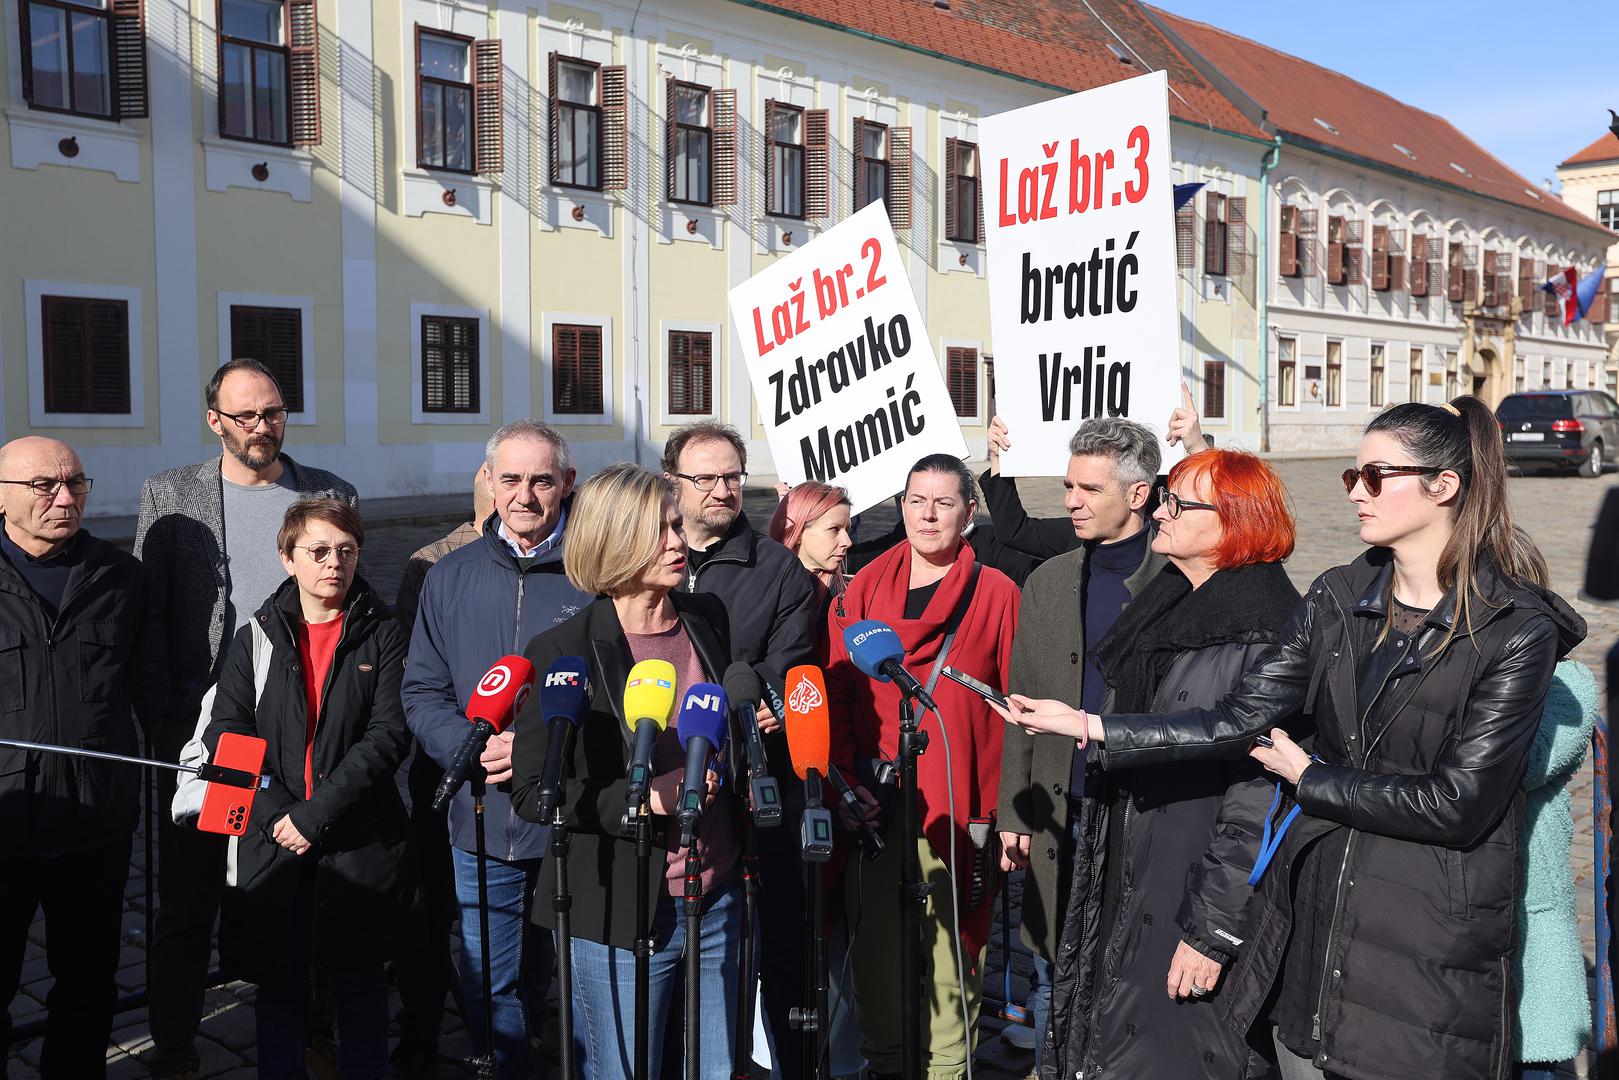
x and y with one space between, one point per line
1174 504
706 481
247 421
47 489
319 553
1371 476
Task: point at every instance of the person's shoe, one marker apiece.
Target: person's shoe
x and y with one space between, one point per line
413 1058
183 1065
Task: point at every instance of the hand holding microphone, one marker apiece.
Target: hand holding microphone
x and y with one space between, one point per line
500 693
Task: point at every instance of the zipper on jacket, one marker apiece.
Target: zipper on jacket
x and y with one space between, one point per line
1343 867
517 647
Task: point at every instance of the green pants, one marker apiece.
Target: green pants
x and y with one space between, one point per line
872 890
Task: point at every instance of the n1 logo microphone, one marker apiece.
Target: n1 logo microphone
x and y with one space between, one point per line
563 697
704 715
876 649
649 701
499 694
744 689
809 739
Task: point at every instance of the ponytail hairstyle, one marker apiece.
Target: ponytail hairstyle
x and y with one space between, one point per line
803 504
1464 437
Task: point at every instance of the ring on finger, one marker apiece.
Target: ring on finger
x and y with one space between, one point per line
1199 991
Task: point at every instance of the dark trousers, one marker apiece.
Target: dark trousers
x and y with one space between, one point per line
424 971
82 896
781 942
190 876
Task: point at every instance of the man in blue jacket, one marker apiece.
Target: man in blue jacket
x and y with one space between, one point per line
479 603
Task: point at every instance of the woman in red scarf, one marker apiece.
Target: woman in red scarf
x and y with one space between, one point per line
921 588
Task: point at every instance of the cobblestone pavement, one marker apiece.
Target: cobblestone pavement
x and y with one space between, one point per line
1557 511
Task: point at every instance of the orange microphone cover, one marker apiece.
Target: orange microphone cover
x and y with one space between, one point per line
808 722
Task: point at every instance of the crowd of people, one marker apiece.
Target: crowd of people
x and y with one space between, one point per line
1262 834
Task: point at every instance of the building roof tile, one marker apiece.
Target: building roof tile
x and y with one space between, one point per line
1604 149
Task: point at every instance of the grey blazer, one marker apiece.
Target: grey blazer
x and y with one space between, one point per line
180 538
1048 656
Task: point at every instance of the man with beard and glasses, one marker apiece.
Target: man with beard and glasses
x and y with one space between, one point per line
206 535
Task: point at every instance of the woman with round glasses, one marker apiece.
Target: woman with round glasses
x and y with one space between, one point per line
1156 905
321 873
1382 941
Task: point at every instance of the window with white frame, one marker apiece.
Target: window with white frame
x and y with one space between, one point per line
1414 375
1335 374
254 64
1378 374
84 57
576 99
786 159
1287 372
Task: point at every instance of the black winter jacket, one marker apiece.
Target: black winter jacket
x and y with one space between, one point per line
1395 954
356 821
1166 849
74 681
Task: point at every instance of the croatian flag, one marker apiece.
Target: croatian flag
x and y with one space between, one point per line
1585 293
1562 285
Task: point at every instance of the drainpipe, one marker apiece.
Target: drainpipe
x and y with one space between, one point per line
1266 164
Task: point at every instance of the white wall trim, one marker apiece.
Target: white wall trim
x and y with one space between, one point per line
228 163
306 329
719 347
548 365
417 415
33 291
104 145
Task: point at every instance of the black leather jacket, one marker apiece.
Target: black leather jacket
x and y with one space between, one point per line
1389 913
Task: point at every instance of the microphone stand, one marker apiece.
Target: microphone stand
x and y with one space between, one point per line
485 1062
913 892
694 954
742 1046
815 1021
643 942
562 904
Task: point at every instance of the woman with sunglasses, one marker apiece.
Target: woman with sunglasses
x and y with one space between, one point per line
321 872
1382 942
1159 890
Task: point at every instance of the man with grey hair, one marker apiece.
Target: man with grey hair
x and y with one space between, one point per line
477 604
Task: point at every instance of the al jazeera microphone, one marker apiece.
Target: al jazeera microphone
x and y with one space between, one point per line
806 712
649 701
808 743
500 693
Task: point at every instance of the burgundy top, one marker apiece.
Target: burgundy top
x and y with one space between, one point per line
716 840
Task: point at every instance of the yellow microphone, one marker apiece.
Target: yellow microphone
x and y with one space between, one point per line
649 701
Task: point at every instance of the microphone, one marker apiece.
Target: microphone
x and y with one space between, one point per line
743 688
562 706
877 650
809 742
649 701
701 728
500 693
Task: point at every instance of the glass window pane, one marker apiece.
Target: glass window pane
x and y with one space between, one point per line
255 20
576 141
966 160
789 193
873 141
576 83
444 59
876 181
788 122
967 208
691 106
431 151
457 129
92 77
691 173
270 97
49 29
233 91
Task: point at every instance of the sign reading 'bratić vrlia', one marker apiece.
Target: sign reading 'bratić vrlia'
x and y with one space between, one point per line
1080 235
846 379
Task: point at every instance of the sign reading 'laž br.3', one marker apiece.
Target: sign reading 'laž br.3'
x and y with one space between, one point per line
846 380
1079 209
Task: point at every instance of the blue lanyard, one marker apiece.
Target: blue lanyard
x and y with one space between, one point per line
1268 844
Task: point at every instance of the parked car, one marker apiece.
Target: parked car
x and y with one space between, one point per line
1560 429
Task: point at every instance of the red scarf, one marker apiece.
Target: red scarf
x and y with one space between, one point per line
865 714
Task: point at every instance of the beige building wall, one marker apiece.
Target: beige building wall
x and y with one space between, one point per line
1581 183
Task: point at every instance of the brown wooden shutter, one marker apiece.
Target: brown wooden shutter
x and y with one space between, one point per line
1380 258
1335 250
25 35
899 177
273 337
770 156
669 130
859 163
1213 249
1214 389
950 192
590 369
1503 278
1309 250
1397 259
722 112
1287 242
303 21
1236 237
1419 265
128 49
817 165
1354 251
615 128
961 377
1453 271
576 369
86 355
978 190
553 118
488 125
1186 238
449 364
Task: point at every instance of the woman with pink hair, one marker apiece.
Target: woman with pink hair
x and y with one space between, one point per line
812 521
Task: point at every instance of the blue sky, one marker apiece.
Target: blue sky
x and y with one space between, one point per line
1530 86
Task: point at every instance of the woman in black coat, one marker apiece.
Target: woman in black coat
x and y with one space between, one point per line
625 543
1159 895
1383 943
321 872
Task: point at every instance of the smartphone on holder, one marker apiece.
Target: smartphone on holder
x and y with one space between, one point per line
984 691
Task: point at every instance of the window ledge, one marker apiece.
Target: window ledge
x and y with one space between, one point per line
693 224
103 145
784 235
960 256
579 208
457 194
229 163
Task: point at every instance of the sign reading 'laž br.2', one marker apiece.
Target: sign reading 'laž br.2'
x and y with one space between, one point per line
848 387
1079 208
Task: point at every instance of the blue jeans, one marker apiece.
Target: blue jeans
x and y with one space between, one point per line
604 991
520 955
1537 1070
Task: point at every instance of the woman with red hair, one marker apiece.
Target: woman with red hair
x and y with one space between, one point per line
812 521
1156 904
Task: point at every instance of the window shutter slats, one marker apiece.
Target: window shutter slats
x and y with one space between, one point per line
722 104
1287 242
25 34
615 128
1453 282
961 377
303 39
1380 257
1186 238
770 156
86 355
1308 253
1335 250
576 375
67 375
899 178
553 117
488 125
273 337
128 49
1354 251
449 364
817 165
950 188
1236 245
859 162
669 130
1213 249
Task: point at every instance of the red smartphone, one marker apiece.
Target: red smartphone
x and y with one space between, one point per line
226 809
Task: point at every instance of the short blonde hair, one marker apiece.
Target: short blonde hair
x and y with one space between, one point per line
614 527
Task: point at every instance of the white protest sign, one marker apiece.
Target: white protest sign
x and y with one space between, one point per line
848 387
1082 281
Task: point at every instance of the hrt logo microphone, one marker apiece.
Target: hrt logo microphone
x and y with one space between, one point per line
806 696
562 678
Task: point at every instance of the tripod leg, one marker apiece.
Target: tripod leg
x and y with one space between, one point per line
487 1063
742 1055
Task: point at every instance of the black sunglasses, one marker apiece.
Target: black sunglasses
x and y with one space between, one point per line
1371 476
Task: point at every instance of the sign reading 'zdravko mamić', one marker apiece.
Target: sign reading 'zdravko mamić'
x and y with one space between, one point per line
848 387
1081 251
